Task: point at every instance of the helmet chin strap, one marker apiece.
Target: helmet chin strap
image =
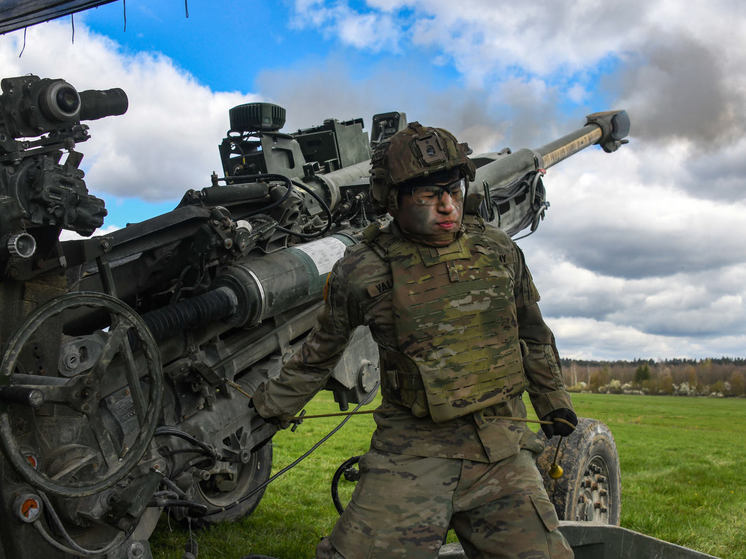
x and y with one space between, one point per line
435 240
392 202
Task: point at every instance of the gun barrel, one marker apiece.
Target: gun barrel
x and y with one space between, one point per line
608 128
570 144
508 192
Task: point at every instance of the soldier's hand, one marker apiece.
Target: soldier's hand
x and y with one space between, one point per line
559 427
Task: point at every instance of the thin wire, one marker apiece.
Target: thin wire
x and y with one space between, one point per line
51 541
72 24
238 388
300 418
24 42
324 206
186 8
124 13
524 236
167 431
296 461
78 549
556 452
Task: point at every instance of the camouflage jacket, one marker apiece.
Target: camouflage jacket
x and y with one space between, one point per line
359 292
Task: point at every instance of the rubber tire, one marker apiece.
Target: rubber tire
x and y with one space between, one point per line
589 452
262 462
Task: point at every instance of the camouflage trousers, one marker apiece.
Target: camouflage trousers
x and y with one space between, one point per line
403 506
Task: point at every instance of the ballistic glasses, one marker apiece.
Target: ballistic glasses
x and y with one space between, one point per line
430 195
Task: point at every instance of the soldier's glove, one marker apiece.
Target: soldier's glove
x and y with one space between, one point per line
559 427
276 421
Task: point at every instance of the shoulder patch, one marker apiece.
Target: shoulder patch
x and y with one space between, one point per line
381 287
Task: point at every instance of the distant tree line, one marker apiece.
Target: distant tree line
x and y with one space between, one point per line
720 377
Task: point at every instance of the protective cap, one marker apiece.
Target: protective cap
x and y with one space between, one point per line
415 153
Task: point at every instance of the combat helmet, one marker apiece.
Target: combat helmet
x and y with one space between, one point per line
416 153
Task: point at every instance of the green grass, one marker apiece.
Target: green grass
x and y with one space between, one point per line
683 464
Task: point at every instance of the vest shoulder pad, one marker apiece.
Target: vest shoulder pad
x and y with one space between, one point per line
378 240
496 235
366 273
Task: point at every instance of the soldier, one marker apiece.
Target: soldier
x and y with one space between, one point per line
452 306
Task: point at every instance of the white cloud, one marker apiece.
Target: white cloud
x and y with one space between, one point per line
585 338
656 271
372 31
66 235
542 37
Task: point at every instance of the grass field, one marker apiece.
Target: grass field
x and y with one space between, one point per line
683 464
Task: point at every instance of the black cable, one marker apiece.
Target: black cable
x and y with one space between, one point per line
342 470
207 452
537 210
169 431
174 488
317 197
290 466
193 463
324 206
165 493
74 547
199 508
297 234
168 452
282 178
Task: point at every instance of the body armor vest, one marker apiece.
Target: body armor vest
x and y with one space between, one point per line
456 326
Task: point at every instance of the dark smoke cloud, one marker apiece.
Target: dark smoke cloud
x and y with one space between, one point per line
718 175
520 114
637 253
676 87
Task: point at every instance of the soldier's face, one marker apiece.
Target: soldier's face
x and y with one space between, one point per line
432 214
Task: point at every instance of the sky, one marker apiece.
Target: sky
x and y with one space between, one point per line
642 251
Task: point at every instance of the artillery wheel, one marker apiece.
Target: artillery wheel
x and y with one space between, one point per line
590 489
81 470
219 492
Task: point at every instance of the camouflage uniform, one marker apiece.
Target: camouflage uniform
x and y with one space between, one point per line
475 471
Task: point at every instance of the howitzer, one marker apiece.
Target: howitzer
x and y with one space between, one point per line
126 356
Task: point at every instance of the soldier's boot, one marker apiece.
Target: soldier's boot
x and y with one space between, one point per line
325 550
